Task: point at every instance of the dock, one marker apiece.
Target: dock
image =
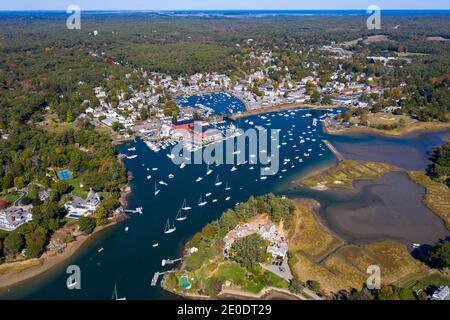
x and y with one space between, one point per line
137 210
165 262
155 278
338 155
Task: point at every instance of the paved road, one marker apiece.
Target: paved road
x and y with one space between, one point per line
17 202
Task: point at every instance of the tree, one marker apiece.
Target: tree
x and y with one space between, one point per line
296 286
101 216
35 242
313 285
439 254
87 224
213 286
249 251
13 243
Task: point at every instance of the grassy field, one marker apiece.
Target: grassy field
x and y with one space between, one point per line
437 196
347 171
19 266
317 254
424 280
307 235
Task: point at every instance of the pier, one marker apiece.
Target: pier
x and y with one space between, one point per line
137 210
338 155
165 262
155 278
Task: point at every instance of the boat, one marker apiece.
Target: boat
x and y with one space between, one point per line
126 229
156 189
155 245
227 198
199 179
149 177
251 168
163 183
202 203
132 149
169 229
416 245
215 200
154 169
218 182
171 156
171 176
182 165
227 187
100 250
208 194
233 169
132 157
115 296
180 216
263 178
184 206
208 170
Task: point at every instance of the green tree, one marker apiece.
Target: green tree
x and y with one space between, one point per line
13 243
249 251
87 224
35 242
439 254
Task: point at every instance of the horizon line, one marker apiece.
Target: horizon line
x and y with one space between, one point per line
212 10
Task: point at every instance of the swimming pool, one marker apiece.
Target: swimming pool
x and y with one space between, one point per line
64 175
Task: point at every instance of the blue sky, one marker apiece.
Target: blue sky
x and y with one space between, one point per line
220 4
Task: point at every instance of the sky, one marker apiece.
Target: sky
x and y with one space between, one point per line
221 4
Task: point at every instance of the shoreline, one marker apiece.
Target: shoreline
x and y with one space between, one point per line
48 260
418 127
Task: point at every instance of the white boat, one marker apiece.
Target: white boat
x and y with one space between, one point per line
171 156
227 187
416 245
184 206
233 169
251 168
132 149
169 229
155 245
202 203
199 179
100 250
157 191
208 170
215 200
227 198
154 169
171 176
218 182
180 216
208 194
115 296
132 157
182 165
163 183
149 177
263 178
126 229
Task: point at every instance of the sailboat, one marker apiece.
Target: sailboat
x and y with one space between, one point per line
233 169
182 165
156 190
218 182
199 179
168 229
227 187
155 245
201 203
115 296
185 207
208 170
180 217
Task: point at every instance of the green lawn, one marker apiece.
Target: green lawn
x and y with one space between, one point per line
77 190
435 279
231 271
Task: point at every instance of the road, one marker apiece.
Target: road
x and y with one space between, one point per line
24 194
